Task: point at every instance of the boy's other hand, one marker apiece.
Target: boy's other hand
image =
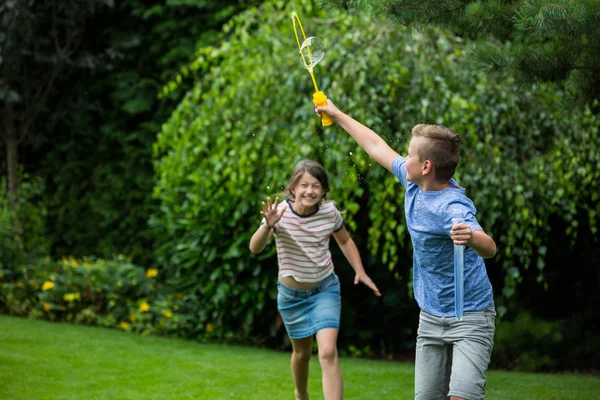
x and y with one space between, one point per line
330 109
461 234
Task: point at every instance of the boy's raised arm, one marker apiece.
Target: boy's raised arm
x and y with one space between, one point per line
371 142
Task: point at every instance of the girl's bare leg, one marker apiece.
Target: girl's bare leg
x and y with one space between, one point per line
333 385
301 351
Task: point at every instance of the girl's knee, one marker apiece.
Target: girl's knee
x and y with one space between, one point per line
301 354
328 354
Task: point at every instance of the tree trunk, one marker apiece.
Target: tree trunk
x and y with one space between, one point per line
12 165
11 139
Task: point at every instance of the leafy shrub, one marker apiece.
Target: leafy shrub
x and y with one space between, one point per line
22 223
527 344
112 293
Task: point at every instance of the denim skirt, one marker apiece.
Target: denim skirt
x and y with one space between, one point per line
305 312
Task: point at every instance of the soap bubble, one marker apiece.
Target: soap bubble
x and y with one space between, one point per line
311 52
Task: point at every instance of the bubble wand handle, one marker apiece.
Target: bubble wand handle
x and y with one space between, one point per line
319 98
459 270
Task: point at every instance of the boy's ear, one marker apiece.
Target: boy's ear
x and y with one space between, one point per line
427 167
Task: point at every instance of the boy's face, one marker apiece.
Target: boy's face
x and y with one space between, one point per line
414 167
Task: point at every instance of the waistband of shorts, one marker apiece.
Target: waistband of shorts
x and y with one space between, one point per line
330 280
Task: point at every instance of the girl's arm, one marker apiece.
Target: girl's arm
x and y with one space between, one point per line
265 231
260 238
350 251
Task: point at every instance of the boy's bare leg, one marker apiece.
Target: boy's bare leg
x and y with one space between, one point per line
333 385
301 351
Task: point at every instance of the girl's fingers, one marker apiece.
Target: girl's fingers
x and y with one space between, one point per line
372 286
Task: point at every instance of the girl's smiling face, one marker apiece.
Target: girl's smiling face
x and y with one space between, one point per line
308 192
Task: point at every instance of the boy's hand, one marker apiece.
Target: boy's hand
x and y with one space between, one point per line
330 109
461 234
364 278
270 212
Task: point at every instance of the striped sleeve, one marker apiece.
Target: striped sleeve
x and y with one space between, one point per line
339 221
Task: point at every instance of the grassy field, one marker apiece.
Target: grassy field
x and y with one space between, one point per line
42 360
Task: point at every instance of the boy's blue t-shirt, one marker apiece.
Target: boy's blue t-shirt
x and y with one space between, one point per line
429 220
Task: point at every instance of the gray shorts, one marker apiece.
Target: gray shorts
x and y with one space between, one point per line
452 356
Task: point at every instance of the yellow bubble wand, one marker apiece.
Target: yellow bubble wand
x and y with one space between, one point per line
319 97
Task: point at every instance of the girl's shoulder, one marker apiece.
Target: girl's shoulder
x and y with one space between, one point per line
331 207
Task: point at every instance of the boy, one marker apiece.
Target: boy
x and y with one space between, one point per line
452 356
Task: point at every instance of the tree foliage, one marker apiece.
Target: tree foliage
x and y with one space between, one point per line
551 40
38 43
97 158
235 137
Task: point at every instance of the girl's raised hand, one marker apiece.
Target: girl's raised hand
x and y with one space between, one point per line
270 212
364 278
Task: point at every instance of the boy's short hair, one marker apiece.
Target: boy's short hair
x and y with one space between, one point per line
441 147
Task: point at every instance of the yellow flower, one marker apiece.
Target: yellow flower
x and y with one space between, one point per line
70 297
47 285
167 314
47 306
124 325
210 327
132 316
151 273
144 307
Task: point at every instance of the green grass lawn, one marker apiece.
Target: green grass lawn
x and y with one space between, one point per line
43 360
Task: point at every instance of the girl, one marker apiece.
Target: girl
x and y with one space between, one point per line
308 289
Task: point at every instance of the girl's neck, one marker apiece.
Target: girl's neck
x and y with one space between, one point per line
301 210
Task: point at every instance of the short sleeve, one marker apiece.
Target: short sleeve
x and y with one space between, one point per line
467 211
339 221
399 170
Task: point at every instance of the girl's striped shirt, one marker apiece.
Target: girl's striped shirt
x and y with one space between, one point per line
302 241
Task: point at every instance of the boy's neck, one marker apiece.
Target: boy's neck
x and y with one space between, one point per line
433 186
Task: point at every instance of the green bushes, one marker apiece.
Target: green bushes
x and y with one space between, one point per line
527 344
112 293
22 223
